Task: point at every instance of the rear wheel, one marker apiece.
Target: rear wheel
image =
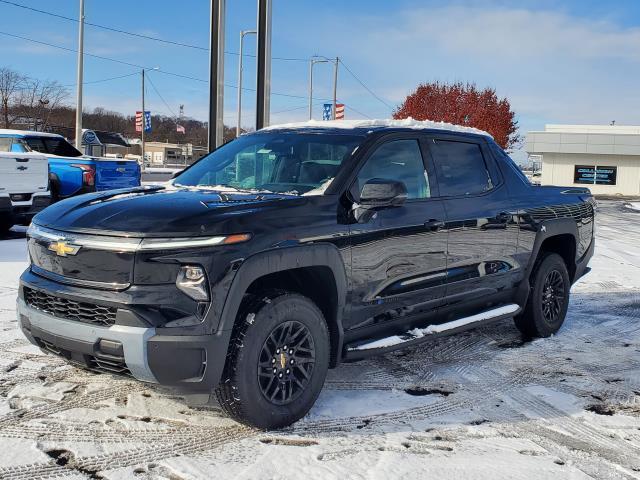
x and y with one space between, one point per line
548 301
278 361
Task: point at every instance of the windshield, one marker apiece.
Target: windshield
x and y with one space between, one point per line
293 163
52 145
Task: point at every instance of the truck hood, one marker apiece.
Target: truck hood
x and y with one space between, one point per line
160 211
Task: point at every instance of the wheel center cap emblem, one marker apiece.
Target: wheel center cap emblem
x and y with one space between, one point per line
283 360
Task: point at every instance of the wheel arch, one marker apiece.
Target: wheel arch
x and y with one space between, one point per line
559 236
316 271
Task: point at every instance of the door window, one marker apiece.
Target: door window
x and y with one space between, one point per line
5 144
399 160
460 168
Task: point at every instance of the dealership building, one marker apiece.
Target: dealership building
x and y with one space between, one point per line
605 158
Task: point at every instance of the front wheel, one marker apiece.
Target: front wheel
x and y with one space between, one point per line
548 300
277 362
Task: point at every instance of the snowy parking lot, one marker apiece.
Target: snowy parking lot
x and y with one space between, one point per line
482 404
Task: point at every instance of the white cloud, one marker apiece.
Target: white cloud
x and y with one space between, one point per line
554 67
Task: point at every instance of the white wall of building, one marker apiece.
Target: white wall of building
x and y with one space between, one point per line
559 169
563 147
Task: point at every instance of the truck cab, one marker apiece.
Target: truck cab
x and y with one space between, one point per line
71 172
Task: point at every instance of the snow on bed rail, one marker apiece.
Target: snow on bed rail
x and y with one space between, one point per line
405 123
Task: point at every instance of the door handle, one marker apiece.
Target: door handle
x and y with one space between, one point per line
434 224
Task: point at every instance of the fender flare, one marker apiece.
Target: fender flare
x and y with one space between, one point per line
282 259
546 229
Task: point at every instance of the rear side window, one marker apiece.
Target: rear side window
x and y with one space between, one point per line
460 168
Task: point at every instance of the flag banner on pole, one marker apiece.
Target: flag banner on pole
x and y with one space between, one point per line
180 129
339 111
327 110
147 121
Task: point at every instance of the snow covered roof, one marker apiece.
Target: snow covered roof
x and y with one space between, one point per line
4 131
380 123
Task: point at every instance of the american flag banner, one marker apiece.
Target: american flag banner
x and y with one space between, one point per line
327 110
147 121
180 129
339 111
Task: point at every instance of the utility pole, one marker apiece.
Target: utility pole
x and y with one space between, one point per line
312 62
240 60
335 87
143 123
263 70
80 77
216 74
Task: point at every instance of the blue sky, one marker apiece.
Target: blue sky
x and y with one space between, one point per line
573 61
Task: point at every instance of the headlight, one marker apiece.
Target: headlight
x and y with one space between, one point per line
192 280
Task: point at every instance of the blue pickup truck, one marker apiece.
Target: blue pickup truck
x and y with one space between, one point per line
71 172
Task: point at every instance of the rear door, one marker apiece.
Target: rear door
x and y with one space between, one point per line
23 173
398 255
481 223
111 174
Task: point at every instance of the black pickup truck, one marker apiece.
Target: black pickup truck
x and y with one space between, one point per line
292 249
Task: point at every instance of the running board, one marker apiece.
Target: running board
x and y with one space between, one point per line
418 335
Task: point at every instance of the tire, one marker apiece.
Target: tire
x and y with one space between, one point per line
260 386
548 300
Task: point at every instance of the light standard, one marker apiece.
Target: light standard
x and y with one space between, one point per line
80 77
144 116
242 35
312 62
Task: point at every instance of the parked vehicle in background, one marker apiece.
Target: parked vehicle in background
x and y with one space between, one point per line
72 173
294 248
24 186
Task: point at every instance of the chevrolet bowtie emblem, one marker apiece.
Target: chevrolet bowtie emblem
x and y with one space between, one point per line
62 249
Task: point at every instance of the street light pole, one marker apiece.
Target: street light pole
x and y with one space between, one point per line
143 123
216 74
263 64
312 62
80 77
240 60
335 87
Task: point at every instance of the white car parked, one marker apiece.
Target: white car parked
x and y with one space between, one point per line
24 187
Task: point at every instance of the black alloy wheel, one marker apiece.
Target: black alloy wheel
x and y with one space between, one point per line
548 299
286 363
553 296
277 361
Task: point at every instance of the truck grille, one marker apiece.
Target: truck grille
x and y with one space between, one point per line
70 309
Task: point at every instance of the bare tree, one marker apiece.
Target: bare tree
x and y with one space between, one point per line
11 83
38 98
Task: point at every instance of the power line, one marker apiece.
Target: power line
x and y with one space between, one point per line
357 111
365 87
163 100
165 72
138 35
102 80
142 67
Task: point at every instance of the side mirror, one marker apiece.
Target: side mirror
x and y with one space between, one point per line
380 193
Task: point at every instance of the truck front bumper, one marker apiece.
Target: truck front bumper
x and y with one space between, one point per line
192 364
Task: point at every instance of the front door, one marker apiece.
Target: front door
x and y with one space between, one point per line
399 254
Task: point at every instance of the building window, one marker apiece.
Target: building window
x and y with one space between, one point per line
595 175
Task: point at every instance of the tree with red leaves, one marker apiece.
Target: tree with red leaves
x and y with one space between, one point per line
463 104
